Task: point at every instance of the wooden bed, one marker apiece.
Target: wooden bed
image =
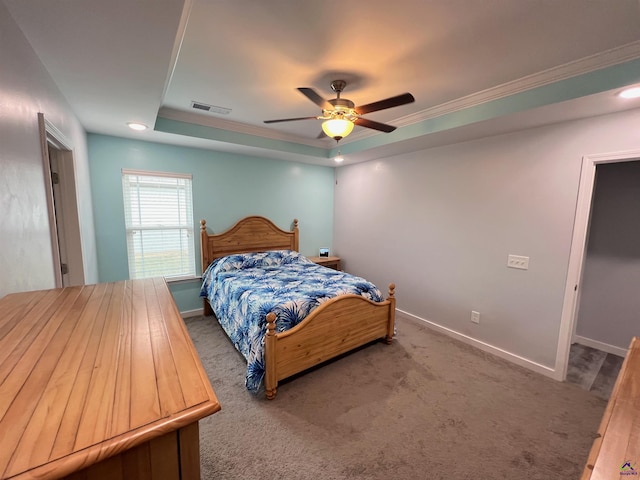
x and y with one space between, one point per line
336 327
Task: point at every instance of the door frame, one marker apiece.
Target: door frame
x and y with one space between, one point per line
51 137
578 251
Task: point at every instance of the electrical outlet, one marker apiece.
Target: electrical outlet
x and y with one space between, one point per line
475 317
518 261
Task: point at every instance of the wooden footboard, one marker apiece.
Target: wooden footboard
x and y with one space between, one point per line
336 327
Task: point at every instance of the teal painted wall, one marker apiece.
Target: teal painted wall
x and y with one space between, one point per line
226 187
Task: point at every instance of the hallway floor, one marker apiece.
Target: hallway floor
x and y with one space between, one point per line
593 370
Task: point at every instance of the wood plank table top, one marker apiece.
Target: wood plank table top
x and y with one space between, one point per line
616 452
88 372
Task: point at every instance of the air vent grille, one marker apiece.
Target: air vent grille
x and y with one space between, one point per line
210 108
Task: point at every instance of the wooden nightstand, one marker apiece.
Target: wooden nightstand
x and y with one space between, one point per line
331 262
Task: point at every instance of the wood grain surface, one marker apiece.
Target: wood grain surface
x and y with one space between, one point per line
616 450
89 372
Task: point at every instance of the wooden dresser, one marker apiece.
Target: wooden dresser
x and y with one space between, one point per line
615 453
99 382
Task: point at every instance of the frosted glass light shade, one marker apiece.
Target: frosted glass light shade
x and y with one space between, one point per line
337 128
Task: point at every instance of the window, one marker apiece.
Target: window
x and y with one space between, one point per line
158 213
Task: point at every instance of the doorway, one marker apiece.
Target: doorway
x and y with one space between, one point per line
577 256
62 205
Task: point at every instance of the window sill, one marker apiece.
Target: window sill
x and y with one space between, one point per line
176 280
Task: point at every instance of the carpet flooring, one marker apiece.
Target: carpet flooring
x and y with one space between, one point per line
425 407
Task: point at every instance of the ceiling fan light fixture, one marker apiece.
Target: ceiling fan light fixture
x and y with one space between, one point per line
337 128
339 115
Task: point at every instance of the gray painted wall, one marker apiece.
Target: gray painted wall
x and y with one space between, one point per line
441 222
26 260
609 300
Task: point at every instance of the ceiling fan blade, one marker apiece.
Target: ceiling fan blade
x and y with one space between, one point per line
312 95
383 127
290 119
386 103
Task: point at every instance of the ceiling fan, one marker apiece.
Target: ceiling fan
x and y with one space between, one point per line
341 114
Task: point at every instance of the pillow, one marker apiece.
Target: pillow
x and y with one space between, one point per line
271 258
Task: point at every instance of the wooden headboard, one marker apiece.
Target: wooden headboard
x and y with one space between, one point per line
251 234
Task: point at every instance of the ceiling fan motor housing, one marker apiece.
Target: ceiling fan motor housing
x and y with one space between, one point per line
342 109
342 102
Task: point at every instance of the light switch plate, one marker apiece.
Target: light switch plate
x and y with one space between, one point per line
518 261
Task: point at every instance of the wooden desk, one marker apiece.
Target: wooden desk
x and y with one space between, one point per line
619 433
331 262
102 380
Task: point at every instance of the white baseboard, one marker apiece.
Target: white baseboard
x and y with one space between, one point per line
498 352
192 313
605 347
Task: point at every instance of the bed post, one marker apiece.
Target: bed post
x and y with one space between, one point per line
296 235
204 258
204 245
271 378
392 314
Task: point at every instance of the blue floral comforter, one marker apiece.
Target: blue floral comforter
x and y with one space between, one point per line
242 289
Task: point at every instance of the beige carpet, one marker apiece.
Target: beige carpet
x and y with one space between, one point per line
425 407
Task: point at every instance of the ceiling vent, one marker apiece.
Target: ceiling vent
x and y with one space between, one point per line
210 108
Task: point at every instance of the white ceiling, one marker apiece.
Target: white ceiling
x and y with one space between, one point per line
122 60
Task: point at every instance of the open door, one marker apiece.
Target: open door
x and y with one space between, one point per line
578 252
62 205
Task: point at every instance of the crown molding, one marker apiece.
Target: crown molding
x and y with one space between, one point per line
177 44
608 58
237 127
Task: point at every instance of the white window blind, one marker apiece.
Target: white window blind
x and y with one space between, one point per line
158 212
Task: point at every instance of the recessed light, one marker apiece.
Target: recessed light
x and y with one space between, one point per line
630 93
137 126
